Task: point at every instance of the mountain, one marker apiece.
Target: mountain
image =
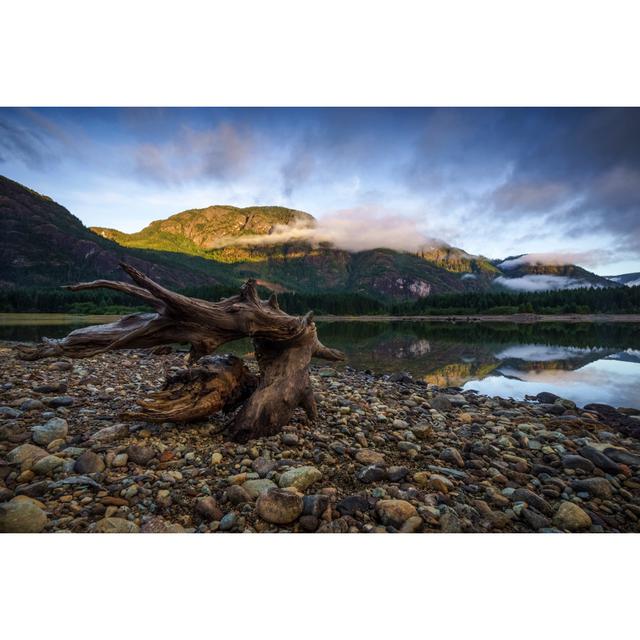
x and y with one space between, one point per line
197 230
44 245
627 279
238 237
527 273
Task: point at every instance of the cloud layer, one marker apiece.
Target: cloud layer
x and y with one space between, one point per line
541 283
494 181
351 230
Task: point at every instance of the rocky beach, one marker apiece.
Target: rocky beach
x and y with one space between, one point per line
387 454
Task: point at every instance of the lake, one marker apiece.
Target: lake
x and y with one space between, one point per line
583 362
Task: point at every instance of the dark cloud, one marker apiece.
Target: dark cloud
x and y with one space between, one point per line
29 146
581 173
557 174
34 140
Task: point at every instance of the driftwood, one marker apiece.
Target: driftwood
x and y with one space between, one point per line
284 346
216 383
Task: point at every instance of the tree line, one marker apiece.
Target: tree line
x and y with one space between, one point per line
574 301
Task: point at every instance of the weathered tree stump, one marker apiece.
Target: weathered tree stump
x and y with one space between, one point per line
284 346
215 383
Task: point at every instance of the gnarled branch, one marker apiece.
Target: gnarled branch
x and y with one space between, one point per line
284 346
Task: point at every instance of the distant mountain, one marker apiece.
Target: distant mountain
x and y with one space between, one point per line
627 279
237 237
197 230
525 273
43 245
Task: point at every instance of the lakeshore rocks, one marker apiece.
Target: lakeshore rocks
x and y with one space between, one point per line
301 478
600 460
598 487
47 465
395 512
208 508
368 457
22 515
455 461
140 454
279 506
116 525
53 429
25 454
571 517
89 462
254 488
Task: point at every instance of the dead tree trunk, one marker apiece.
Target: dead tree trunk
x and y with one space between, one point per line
284 346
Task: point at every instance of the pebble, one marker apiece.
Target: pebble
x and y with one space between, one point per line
372 473
89 462
50 431
315 505
301 478
571 517
25 453
450 522
395 512
452 455
47 465
236 494
254 488
600 460
577 462
369 457
141 455
598 487
120 460
484 464
208 508
116 525
22 515
228 521
279 506
352 504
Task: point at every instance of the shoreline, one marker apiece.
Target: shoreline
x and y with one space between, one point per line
384 456
16 319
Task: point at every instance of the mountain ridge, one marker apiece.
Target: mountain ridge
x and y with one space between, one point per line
44 245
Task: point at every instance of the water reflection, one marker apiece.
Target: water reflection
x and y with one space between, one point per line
583 362
613 382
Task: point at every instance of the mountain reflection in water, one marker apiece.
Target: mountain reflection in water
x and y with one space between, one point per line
582 362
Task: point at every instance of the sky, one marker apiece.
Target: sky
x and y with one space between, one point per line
495 182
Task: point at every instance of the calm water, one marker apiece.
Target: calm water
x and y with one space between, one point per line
586 363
